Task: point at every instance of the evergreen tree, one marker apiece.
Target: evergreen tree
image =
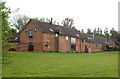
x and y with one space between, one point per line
6 32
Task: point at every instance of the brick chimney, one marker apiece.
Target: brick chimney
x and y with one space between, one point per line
107 39
51 20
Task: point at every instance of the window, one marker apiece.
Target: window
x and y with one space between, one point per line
90 37
66 37
56 35
16 38
51 30
35 29
73 40
82 40
73 44
46 44
26 29
30 33
77 35
96 45
87 37
73 47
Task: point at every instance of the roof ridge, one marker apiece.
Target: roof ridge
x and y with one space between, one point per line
55 24
45 26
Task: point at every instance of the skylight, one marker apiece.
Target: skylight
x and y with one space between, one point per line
89 37
51 30
77 35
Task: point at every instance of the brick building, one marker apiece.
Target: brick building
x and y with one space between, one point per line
42 36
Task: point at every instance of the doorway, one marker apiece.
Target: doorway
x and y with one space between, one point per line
86 49
30 46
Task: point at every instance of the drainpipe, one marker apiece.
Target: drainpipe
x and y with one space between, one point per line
93 36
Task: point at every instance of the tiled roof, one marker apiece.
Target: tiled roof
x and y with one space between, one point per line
51 28
47 26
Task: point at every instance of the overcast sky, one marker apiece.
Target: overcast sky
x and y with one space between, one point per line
86 13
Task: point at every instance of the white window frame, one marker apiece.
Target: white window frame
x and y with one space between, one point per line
73 40
56 35
67 38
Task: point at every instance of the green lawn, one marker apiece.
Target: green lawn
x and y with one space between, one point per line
45 64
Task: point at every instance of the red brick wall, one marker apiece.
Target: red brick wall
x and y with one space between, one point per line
50 38
82 45
64 45
92 47
78 47
37 38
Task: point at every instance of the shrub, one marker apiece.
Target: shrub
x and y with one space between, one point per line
68 52
12 49
50 51
76 52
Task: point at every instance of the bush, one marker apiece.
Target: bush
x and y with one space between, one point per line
12 49
44 51
118 48
50 51
67 51
76 52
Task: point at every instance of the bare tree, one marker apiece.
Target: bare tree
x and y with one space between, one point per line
19 21
68 22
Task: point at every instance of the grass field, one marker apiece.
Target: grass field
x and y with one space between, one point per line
45 64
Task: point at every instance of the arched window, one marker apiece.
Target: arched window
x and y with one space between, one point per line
26 29
46 44
30 33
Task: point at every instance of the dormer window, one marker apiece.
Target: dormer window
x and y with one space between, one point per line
35 29
26 29
46 44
